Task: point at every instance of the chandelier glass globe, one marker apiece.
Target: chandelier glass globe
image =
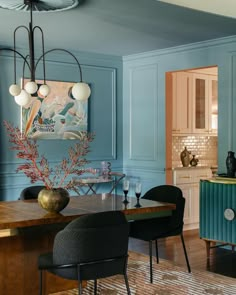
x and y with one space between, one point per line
81 91
14 89
44 90
23 98
31 87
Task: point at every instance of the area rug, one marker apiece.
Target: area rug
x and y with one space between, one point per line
168 279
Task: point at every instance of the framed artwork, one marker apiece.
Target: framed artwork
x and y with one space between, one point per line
58 116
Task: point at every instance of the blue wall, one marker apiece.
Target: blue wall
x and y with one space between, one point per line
144 142
104 74
127 108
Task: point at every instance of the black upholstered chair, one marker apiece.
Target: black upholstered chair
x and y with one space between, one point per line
155 228
91 247
30 192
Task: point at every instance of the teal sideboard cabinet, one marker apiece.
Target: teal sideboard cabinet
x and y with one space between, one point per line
218 212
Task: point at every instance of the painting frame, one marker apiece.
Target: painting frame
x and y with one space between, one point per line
57 116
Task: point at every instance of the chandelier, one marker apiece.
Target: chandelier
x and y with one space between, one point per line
23 93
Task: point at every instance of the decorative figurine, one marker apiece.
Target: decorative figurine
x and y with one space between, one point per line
194 161
185 157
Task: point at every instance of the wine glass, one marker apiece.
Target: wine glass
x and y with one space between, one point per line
126 190
138 190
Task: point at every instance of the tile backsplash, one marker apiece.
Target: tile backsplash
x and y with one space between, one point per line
204 147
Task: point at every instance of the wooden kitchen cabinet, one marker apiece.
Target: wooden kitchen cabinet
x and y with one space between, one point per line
188 180
195 103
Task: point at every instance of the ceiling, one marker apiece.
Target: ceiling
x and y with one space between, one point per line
121 27
227 8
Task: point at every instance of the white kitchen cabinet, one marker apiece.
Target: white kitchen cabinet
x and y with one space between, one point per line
181 110
195 103
213 104
188 180
205 104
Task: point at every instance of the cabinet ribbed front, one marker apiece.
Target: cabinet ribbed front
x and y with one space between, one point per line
215 198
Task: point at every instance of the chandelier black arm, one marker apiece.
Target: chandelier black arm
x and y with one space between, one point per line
21 55
43 54
15 51
23 70
60 49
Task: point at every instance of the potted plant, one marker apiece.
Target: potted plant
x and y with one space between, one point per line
58 179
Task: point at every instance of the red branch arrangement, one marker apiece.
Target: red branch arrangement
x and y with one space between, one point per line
37 168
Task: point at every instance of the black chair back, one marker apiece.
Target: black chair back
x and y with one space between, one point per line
162 227
101 237
31 192
170 194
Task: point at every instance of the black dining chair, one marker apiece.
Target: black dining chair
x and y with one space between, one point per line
91 247
161 227
31 192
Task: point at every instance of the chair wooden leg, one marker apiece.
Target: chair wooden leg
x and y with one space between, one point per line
150 258
40 282
185 252
157 255
127 284
95 287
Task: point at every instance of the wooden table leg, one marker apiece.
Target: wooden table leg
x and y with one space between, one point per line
208 246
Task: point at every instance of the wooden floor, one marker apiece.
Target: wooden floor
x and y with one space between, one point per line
222 261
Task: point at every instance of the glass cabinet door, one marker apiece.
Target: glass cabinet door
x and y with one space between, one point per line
200 105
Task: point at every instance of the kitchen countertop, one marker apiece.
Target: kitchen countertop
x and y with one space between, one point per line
191 167
223 180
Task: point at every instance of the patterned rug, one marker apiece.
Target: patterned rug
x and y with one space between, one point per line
168 279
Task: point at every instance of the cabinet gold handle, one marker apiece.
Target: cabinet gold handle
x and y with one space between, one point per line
185 177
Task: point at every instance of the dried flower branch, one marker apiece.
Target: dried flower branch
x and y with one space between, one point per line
37 167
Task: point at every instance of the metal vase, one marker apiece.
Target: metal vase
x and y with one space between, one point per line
53 200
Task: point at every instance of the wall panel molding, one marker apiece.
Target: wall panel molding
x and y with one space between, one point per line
143 113
104 119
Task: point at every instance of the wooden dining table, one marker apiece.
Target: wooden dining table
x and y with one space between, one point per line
27 230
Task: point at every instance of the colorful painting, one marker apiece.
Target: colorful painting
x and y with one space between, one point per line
58 116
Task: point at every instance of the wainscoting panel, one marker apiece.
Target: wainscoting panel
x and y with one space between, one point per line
143 113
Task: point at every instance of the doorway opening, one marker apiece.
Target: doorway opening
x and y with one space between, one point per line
191 116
